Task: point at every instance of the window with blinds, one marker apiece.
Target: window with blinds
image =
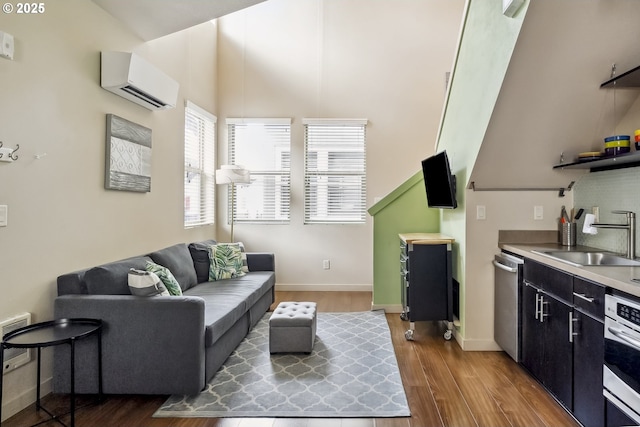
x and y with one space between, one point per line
199 166
263 146
335 171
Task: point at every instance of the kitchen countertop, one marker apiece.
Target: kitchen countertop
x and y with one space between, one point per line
616 277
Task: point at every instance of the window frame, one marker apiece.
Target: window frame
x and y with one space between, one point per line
205 168
343 180
281 176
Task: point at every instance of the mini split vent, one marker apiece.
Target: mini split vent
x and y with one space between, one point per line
15 357
132 77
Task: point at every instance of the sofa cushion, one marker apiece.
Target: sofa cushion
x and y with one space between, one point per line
226 261
200 255
112 278
228 300
144 283
177 259
166 277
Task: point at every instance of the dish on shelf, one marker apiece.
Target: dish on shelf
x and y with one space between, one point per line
589 155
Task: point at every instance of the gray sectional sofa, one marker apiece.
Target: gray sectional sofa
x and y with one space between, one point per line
161 344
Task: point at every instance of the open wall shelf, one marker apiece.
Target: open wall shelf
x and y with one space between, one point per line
607 163
630 78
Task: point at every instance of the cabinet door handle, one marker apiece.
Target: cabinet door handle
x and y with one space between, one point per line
542 313
584 297
537 306
571 332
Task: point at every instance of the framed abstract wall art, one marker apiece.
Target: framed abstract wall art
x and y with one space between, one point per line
128 156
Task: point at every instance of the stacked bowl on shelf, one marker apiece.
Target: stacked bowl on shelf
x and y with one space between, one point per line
618 144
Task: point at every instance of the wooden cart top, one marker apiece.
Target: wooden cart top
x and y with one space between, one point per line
426 238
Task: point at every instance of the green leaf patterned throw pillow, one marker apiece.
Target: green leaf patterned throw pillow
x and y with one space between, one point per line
166 277
226 261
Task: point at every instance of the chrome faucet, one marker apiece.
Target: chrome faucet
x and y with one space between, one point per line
630 226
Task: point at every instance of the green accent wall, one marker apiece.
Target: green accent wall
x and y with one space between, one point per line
404 210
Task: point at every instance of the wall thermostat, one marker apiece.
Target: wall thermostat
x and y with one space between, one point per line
6 45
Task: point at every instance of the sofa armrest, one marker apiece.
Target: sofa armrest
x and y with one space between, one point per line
261 261
150 345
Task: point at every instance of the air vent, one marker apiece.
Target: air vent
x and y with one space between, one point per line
15 357
144 97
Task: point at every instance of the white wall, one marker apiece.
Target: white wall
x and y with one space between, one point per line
381 60
60 217
508 210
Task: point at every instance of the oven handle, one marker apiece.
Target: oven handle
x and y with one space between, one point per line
505 268
625 337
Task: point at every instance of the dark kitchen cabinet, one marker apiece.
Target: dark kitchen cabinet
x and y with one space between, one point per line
546 350
563 338
588 352
588 358
558 363
532 355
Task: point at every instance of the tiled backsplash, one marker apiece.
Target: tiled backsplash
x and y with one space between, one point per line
609 190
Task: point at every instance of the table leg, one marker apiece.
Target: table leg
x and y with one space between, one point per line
38 383
1 375
73 382
100 395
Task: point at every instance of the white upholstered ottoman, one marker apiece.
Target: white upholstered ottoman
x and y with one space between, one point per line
292 327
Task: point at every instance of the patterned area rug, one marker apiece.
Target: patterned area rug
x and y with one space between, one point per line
352 372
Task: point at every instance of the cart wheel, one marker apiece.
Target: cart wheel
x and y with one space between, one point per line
403 316
409 335
448 334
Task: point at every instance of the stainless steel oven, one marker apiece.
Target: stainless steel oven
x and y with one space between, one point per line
621 374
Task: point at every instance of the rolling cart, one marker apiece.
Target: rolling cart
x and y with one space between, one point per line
426 280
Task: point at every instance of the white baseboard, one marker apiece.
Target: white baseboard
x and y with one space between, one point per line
15 404
477 345
388 308
327 287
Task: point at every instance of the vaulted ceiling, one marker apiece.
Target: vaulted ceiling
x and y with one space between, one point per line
151 19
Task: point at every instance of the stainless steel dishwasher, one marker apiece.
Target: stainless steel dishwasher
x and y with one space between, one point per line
508 276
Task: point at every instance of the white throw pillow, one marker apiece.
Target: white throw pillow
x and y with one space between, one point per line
146 284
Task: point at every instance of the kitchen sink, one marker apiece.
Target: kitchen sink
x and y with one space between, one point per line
600 258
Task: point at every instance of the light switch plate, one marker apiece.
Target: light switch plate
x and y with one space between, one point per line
481 212
4 215
538 213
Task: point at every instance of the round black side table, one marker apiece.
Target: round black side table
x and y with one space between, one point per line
52 333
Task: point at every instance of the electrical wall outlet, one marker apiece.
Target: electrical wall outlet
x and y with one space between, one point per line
326 264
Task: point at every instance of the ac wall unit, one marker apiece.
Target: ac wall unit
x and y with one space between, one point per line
132 77
15 357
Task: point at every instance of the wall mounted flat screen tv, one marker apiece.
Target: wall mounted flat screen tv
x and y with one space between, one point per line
439 183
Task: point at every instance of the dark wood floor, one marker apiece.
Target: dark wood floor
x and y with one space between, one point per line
445 386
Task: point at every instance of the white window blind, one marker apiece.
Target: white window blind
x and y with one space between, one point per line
335 171
263 146
199 166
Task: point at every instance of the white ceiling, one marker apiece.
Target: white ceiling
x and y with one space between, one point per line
151 19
